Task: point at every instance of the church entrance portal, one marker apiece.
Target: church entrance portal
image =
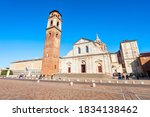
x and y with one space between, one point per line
83 68
69 69
99 68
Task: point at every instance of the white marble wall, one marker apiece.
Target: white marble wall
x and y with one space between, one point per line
91 64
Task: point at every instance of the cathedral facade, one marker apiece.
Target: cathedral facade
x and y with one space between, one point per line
87 56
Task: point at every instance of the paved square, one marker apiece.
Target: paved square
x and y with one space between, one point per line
31 90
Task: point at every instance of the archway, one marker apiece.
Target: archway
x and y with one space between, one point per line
99 66
69 67
100 70
83 67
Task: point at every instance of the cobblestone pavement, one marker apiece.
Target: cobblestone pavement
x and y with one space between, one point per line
31 90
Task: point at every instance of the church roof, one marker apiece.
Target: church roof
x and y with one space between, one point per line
27 60
84 39
55 11
87 39
127 41
97 41
145 54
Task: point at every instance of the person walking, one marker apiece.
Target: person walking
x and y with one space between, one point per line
137 77
127 77
123 76
40 77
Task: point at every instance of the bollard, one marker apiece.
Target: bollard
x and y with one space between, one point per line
117 82
126 82
85 80
64 79
101 81
38 81
78 80
93 85
142 82
133 82
109 81
71 83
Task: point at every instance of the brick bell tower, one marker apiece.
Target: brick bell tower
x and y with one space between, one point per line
50 62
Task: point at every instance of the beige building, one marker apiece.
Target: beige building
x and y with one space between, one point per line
116 66
130 52
27 67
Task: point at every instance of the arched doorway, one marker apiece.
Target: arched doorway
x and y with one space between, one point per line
69 67
100 68
83 67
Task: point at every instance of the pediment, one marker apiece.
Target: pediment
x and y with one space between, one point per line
82 40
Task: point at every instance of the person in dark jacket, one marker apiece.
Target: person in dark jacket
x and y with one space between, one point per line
127 77
137 77
40 77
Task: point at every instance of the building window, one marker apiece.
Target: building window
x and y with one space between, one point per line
79 50
51 22
49 34
57 24
87 49
57 35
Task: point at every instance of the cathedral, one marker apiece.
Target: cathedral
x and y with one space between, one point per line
87 56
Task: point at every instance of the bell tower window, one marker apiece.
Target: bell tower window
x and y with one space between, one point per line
57 35
51 22
57 24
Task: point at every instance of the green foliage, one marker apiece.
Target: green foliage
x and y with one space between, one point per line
11 72
4 72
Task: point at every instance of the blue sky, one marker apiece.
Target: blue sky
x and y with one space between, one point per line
23 24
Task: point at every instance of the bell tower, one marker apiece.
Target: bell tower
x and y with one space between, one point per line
50 62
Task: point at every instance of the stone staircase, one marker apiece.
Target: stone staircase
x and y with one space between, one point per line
81 76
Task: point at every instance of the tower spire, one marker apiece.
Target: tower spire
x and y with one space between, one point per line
98 40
